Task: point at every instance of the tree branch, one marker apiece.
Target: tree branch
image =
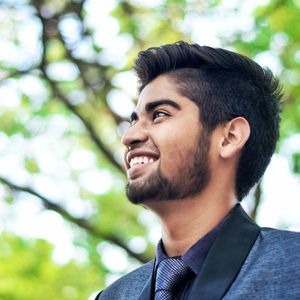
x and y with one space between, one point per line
257 200
74 109
82 67
80 222
87 124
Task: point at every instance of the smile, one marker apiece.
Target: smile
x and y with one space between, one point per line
140 160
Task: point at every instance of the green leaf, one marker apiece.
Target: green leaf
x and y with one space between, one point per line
31 165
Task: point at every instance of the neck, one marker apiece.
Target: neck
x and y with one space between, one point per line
186 221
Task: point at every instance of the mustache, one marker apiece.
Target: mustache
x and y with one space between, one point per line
144 146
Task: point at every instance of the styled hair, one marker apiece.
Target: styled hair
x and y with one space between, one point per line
224 85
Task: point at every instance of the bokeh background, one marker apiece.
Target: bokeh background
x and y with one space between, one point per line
66 90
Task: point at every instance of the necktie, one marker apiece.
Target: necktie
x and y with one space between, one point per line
170 273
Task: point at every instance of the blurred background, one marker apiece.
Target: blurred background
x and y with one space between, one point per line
66 90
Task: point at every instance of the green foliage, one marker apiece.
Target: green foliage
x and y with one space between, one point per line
28 272
296 162
61 131
31 165
55 50
277 31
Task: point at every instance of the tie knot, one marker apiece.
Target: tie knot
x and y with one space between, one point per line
170 273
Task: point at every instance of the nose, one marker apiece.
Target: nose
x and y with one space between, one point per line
135 134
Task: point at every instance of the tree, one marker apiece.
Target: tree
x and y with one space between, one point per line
27 272
274 38
62 75
66 90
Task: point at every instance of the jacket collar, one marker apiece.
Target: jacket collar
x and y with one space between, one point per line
224 259
147 292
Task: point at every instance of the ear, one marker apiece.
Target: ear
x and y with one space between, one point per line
235 134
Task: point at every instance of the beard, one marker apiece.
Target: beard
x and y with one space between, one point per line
190 179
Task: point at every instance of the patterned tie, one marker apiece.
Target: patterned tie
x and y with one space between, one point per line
170 273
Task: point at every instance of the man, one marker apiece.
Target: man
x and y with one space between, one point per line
202 134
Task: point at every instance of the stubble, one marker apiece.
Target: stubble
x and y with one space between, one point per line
191 177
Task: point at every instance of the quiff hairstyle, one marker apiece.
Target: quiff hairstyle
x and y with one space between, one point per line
224 85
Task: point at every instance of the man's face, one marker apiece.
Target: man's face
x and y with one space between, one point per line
168 150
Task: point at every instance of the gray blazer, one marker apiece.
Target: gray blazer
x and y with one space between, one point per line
244 262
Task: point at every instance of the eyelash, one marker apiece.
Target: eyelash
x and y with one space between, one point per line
131 122
154 117
155 114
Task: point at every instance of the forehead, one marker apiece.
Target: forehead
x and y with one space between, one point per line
162 87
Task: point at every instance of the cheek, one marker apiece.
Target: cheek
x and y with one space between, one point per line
175 153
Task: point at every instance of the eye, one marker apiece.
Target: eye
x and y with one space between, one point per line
133 118
159 114
131 122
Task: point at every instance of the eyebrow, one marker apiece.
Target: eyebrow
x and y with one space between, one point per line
150 106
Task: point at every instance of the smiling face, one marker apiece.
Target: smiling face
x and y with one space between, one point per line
168 150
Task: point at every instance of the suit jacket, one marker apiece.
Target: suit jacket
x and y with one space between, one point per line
244 262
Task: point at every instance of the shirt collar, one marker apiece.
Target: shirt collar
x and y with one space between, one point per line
194 257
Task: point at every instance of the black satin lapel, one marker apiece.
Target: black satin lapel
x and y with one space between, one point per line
98 296
148 288
226 256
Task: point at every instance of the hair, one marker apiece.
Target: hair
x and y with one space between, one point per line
224 85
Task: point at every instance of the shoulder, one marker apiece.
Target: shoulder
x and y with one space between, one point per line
278 238
271 270
128 286
279 248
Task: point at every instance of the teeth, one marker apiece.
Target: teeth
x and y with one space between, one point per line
140 160
134 161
